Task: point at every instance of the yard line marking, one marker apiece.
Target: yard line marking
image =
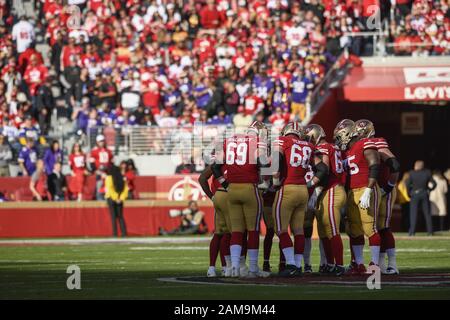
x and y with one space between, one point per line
177 280
81 241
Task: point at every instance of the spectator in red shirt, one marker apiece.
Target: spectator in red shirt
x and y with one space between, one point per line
68 51
35 74
77 162
100 160
210 17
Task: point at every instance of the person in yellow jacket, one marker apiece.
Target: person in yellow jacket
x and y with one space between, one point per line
403 199
116 192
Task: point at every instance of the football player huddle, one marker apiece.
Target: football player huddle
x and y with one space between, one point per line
297 178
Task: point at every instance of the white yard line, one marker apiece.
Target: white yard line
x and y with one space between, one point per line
171 240
81 241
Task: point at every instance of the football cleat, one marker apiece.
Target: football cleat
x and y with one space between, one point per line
391 271
257 274
323 269
211 272
339 270
290 271
308 268
243 270
330 269
235 272
227 272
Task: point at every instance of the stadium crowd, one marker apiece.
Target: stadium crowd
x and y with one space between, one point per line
170 63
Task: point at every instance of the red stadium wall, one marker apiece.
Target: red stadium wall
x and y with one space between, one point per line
328 114
90 218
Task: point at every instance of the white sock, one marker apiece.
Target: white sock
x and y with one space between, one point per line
235 251
323 257
307 251
392 259
212 268
253 260
358 251
382 260
375 250
228 261
298 260
242 261
289 255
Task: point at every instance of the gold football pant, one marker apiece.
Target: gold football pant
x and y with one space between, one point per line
222 223
385 211
363 221
244 207
329 214
289 208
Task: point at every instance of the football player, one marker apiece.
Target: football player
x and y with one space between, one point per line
222 224
308 231
244 154
363 165
389 174
293 155
329 196
268 196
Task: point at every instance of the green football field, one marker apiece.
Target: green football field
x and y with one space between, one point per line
157 268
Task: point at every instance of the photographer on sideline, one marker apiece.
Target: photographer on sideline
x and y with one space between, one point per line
192 221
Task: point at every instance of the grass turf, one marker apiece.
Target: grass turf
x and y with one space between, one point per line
131 271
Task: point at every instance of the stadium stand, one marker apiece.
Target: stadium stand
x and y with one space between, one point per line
133 70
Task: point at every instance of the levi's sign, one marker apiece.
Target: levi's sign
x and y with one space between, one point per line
427 93
435 83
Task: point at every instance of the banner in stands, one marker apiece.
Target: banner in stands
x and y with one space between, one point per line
397 84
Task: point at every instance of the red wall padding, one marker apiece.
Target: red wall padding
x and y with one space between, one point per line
93 221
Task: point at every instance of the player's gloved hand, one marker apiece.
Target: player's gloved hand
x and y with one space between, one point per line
312 202
276 182
264 185
364 201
